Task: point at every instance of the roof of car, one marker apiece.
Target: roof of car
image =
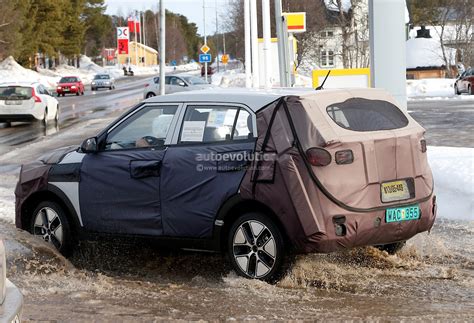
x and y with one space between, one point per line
21 83
255 99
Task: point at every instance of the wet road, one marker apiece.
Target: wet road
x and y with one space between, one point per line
432 278
74 109
447 122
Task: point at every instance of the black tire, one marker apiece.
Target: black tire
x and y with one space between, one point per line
53 212
150 95
92 88
56 117
45 118
63 94
253 254
470 90
392 248
456 91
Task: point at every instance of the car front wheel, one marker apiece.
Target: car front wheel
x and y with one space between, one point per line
149 95
456 90
256 248
50 223
392 248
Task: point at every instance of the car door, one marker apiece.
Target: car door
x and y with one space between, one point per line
120 185
176 84
204 167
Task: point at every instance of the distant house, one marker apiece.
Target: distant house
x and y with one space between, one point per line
425 57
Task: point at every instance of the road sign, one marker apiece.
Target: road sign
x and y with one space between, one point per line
205 58
295 21
225 58
122 46
205 49
122 33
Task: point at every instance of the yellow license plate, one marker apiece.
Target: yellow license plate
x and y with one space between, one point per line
394 191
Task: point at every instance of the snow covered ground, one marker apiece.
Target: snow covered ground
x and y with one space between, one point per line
10 70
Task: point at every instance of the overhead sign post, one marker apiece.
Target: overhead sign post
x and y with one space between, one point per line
122 40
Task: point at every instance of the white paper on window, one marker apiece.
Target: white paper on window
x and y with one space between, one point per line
193 130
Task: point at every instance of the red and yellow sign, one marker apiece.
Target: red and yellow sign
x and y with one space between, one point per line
295 21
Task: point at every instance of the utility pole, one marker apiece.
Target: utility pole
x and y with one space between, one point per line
282 36
205 36
162 46
254 41
217 40
248 59
266 42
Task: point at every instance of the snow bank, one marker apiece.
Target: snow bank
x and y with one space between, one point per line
10 70
453 171
430 87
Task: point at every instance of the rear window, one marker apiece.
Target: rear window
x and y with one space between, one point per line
367 115
68 80
15 92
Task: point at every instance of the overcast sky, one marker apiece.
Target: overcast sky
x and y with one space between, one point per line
193 9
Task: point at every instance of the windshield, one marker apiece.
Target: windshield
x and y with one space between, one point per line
68 80
102 77
193 80
367 115
15 92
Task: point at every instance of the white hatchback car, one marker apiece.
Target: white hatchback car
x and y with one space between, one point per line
23 101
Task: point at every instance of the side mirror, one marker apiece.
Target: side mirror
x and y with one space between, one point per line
89 145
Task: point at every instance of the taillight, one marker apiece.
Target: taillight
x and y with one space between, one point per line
318 156
423 145
344 157
146 84
34 96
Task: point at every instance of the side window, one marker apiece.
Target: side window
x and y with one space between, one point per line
215 123
146 128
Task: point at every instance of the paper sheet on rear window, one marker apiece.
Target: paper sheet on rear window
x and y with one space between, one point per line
193 130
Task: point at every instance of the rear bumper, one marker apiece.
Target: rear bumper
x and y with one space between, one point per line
74 91
17 117
13 304
343 231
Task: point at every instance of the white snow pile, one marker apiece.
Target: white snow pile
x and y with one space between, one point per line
453 171
426 52
11 71
229 78
430 87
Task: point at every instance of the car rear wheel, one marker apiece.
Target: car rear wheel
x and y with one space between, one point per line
45 117
470 90
50 223
56 117
149 95
392 248
256 248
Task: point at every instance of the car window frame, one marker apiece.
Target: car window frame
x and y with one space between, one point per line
175 141
138 110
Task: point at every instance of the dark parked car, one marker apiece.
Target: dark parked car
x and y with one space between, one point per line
257 175
465 82
70 84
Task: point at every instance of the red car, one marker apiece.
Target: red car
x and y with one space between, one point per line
70 84
465 82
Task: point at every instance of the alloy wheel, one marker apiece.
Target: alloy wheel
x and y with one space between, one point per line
254 249
48 226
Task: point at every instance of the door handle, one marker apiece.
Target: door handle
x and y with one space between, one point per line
145 168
